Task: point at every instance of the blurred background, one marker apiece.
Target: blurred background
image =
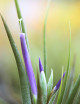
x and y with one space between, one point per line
33 12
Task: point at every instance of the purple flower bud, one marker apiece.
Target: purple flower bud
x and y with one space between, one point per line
58 84
28 64
40 66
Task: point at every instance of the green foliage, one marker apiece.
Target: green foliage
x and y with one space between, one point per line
73 91
39 89
66 76
43 85
69 83
44 37
77 99
50 84
22 72
51 101
58 100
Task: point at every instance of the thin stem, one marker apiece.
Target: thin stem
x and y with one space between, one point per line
44 37
22 22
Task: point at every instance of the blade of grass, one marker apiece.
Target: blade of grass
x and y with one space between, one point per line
50 84
24 84
66 75
39 101
58 100
44 37
77 99
43 86
69 83
51 101
22 22
73 91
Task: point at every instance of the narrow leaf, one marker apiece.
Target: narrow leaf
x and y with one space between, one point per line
73 91
58 100
50 84
22 22
51 101
43 85
66 76
39 89
77 99
69 83
24 84
44 37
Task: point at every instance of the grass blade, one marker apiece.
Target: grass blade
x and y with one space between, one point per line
53 98
50 84
69 83
39 89
77 99
22 22
22 72
73 91
43 85
66 75
58 100
44 37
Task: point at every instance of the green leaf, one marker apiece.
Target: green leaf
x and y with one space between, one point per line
77 99
50 84
58 100
22 22
39 89
24 84
73 92
44 37
43 85
52 99
66 75
69 83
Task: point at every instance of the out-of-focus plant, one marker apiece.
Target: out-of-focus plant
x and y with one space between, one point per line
42 92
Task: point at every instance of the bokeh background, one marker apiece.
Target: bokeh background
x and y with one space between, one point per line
33 12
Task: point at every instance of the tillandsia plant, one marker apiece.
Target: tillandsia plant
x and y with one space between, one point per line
42 92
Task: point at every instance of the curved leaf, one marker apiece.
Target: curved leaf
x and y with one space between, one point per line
69 83
44 37
73 91
66 76
22 72
50 84
77 99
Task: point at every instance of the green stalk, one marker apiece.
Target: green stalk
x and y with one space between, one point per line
44 37
22 22
66 75
69 83
52 99
24 84
73 91
58 101
43 85
77 99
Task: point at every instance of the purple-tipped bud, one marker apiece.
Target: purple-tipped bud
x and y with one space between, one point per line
40 66
28 64
58 84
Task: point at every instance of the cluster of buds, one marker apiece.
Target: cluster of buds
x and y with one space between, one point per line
45 88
